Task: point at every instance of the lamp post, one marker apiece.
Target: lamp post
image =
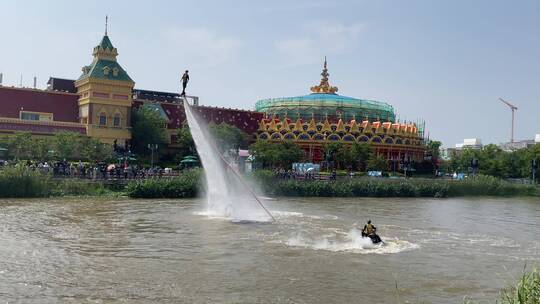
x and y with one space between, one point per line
152 147
534 167
474 166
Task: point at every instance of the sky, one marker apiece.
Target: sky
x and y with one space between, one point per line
443 62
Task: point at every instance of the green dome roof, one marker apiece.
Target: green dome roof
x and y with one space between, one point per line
320 105
324 102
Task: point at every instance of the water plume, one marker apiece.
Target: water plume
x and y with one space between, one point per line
227 194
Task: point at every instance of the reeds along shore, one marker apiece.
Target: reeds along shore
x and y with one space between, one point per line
525 291
382 187
21 182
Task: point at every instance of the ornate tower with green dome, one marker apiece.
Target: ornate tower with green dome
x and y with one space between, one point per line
105 95
325 103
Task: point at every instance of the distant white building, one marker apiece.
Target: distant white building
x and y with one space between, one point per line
468 143
521 144
517 145
473 143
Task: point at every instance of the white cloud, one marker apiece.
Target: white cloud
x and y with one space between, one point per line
319 40
201 46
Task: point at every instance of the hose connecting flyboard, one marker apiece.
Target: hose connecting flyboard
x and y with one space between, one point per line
236 173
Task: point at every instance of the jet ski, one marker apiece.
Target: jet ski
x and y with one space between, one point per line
375 239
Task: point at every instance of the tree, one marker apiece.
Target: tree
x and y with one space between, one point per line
431 162
65 144
20 145
345 156
185 141
264 152
494 161
95 151
42 149
227 137
282 154
377 163
433 149
288 153
331 152
361 153
511 164
147 127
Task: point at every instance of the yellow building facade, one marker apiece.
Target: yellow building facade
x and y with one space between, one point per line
105 96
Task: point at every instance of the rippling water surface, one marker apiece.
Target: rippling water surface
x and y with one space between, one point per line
166 251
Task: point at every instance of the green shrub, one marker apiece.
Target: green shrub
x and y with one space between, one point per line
263 176
23 182
359 187
79 187
377 187
184 186
488 186
526 291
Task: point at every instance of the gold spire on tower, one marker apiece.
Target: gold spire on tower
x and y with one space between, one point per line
324 86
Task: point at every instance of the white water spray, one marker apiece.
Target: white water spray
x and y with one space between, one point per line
227 195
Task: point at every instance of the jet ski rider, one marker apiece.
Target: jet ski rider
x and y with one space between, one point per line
369 229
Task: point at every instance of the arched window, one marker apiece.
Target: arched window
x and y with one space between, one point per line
334 137
363 139
276 136
288 136
116 120
376 139
388 141
102 119
304 136
318 136
263 136
348 138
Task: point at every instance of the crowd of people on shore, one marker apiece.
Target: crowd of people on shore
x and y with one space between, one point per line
102 171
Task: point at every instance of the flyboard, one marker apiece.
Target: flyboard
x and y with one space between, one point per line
236 174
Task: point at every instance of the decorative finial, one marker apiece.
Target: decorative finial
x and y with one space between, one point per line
106 23
324 86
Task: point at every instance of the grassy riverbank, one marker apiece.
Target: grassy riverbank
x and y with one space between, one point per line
21 182
525 291
382 187
189 185
26 183
184 186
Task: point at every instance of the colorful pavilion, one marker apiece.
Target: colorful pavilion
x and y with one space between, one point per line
322 117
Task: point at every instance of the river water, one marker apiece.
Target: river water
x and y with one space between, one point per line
165 251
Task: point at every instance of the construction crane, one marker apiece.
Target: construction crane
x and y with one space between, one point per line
513 108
